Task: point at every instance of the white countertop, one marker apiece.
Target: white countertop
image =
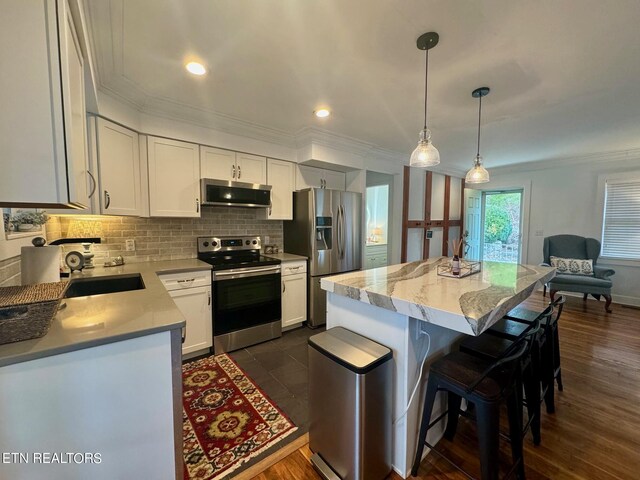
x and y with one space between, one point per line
100 319
469 305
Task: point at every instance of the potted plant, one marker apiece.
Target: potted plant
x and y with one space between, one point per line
27 220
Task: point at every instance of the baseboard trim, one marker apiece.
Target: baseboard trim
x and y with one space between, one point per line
619 299
272 459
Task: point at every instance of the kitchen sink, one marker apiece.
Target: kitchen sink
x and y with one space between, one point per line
81 287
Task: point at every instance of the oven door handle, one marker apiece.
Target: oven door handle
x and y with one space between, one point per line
244 273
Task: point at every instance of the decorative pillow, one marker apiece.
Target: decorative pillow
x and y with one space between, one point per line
572 266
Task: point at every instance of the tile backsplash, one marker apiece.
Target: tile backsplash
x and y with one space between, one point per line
10 272
161 238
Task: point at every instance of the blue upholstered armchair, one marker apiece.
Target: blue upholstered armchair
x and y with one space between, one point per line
573 246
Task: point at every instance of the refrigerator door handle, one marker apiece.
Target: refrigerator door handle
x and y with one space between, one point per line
341 227
344 230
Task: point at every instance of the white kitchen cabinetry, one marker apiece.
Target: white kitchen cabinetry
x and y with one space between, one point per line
312 177
119 169
375 256
43 127
174 178
251 168
281 176
294 293
191 292
232 166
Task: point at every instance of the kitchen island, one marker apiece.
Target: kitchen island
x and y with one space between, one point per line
106 379
421 316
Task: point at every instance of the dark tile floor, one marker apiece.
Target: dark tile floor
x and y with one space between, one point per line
279 368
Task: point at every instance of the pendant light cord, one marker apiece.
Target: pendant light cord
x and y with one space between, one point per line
479 116
426 83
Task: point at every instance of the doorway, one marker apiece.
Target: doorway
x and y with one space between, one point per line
377 232
494 225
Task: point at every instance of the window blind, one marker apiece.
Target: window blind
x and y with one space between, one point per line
621 226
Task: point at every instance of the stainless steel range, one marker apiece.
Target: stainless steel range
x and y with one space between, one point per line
246 291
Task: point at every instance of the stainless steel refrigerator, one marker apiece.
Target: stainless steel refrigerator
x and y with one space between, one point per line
326 228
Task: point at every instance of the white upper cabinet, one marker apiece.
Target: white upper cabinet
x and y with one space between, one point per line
174 178
42 126
217 163
312 177
251 168
334 180
281 176
119 169
231 166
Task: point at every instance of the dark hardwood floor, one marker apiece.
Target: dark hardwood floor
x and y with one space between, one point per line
595 432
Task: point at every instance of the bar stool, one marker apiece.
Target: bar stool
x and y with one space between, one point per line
487 384
549 344
489 347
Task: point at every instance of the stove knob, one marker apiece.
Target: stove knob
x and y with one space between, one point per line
214 244
247 242
206 244
255 242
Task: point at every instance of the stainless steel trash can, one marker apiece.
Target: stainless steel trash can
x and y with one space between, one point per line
350 387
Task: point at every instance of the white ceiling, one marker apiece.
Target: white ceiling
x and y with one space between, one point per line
563 74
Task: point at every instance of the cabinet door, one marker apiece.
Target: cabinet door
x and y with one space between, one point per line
218 164
294 299
251 168
195 305
309 177
75 126
334 180
281 177
31 129
119 165
174 178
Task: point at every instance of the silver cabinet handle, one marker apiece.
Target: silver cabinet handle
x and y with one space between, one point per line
208 298
186 280
197 206
107 200
239 172
284 287
233 171
93 181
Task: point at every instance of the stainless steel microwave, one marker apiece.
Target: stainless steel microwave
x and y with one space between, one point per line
235 194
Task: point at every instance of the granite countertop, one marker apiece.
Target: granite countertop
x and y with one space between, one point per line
469 305
91 321
285 257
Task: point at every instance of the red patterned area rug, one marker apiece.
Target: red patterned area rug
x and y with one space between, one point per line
227 419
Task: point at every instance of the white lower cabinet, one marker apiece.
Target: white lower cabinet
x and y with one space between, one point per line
375 256
191 292
294 293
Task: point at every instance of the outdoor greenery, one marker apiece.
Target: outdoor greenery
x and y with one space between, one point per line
502 213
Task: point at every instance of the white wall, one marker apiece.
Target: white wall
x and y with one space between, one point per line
564 199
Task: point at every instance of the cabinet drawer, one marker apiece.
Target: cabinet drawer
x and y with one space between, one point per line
291 268
178 281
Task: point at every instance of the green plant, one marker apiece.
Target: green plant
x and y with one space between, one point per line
32 217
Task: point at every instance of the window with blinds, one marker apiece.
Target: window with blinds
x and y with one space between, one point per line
621 225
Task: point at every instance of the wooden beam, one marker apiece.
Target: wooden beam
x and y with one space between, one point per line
405 212
445 224
428 184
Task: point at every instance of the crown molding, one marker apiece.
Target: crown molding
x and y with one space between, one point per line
543 164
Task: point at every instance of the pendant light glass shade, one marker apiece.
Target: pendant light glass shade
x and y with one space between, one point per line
425 155
478 174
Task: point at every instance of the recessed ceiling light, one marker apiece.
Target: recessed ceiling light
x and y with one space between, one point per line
195 68
322 113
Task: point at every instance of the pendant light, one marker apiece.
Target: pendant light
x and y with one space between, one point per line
425 155
478 174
